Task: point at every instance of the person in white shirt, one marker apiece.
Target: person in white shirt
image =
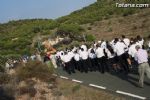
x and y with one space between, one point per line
77 61
149 44
112 58
119 48
92 57
101 59
140 41
84 57
71 55
126 40
67 63
7 66
84 47
103 44
132 51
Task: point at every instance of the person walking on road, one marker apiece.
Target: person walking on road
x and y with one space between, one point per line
142 58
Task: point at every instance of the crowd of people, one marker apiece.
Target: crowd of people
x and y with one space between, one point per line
117 55
13 62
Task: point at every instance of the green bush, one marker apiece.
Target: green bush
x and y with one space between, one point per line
35 69
71 30
90 37
76 88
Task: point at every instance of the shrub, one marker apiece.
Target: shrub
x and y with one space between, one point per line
27 90
4 78
35 69
90 37
76 88
89 28
71 30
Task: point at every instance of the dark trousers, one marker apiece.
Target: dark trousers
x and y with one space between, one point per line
102 64
69 67
93 64
84 66
89 63
123 62
72 65
78 65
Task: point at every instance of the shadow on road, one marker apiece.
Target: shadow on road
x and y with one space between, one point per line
132 78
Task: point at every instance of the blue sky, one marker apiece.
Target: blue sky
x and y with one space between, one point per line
24 9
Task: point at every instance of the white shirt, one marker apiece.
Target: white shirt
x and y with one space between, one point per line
61 54
7 65
126 41
89 50
66 58
149 44
141 42
109 54
84 55
92 55
84 47
74 49
76 57
70 54
132 51
119 48
137 43
99 52
103 45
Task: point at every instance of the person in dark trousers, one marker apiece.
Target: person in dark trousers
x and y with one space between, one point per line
77 61
101 59
84 57
67 63
112 58
92 57
119 48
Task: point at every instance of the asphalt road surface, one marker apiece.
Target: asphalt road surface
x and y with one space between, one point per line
112 81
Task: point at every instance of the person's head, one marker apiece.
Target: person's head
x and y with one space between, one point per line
92 50
123 36
139 38
65 52
82 49
75 51
62 53
116 40
137 47
97 45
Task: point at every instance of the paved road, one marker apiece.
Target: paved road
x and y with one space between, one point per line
112 81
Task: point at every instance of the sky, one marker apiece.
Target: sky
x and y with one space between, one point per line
28 9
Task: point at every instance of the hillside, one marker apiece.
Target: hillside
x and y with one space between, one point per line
101 19
132 25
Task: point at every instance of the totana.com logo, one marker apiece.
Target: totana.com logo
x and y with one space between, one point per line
125 5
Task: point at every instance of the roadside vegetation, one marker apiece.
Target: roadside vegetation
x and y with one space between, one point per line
100 20
17 37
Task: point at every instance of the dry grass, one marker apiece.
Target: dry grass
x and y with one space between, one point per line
74 91
132 25
35 69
